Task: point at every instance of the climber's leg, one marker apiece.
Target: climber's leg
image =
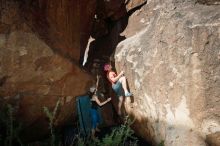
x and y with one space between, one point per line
128 105
124 86
94 117
120 104
93 134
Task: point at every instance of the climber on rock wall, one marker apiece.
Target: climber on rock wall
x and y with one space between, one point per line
119 84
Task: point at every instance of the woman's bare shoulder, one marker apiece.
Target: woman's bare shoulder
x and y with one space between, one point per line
111 72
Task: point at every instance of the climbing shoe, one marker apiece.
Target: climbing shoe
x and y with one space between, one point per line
128 94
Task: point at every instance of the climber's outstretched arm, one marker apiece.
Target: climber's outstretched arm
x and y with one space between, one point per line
101 103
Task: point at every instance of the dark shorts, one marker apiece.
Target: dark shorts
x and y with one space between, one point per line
117 87
95 117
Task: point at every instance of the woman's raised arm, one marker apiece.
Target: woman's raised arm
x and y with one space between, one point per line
101 103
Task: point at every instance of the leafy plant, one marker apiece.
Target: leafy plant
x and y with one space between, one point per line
9 125
80 141
12 129
161 143
117 137
51 116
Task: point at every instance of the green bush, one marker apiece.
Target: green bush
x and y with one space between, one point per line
117 137
161 143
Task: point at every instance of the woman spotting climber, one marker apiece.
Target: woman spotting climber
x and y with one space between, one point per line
95 103
118 85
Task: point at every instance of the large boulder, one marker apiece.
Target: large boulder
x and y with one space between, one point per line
32 75
64 25
172 63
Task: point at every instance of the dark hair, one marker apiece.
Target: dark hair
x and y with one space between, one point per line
90 94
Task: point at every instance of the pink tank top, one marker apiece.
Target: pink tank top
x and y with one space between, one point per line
114 74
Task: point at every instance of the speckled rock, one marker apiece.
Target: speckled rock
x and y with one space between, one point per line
131 4
172 62
209 2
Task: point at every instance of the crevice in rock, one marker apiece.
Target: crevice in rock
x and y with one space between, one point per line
3 80
209 2
131 11
106 34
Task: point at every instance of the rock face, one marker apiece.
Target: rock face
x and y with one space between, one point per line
209 2
172 62
64 25
33 75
